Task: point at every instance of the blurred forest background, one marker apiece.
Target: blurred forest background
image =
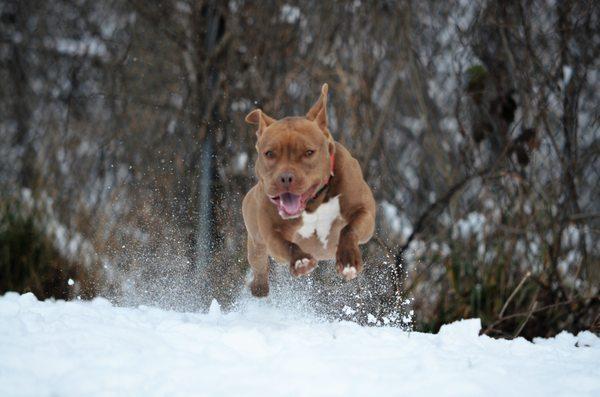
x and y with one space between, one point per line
124 155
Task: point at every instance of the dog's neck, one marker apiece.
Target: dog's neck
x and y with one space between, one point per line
323 191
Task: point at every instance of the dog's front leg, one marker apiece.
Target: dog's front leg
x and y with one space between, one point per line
259 262
301 263
358 230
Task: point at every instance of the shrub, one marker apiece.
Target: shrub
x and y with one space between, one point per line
31 262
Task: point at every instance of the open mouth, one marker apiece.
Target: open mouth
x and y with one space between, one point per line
291 205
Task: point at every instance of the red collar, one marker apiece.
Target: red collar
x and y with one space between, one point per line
331 172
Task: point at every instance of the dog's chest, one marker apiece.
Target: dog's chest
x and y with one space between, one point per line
320 221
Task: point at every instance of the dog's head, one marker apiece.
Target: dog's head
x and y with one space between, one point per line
294 156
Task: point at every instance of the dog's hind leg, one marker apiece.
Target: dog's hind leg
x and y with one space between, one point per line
259 262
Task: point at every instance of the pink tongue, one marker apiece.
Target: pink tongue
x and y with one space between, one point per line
290 203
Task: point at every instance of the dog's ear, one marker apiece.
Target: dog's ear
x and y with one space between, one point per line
320 105
318 112
258 117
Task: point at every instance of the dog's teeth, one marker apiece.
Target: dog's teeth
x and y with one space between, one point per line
305 262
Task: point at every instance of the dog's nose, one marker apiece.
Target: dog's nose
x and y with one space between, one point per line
286 179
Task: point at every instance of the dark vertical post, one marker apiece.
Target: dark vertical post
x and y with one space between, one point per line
205 232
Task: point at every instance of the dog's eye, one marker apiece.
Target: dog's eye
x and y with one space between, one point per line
269 154
309 153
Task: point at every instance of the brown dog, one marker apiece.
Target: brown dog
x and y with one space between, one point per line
310 203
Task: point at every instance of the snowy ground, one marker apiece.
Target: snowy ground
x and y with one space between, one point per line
93 348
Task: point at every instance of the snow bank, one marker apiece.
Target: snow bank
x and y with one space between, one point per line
94 348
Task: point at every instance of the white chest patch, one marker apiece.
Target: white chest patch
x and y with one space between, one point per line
321 220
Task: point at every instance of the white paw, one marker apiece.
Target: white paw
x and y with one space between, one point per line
300 263
349 273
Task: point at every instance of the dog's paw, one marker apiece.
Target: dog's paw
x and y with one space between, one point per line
259 289
303 266
348 259
349 273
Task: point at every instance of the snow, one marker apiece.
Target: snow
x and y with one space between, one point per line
57 348
290 14
567 73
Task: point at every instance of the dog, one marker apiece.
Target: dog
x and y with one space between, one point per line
311 201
